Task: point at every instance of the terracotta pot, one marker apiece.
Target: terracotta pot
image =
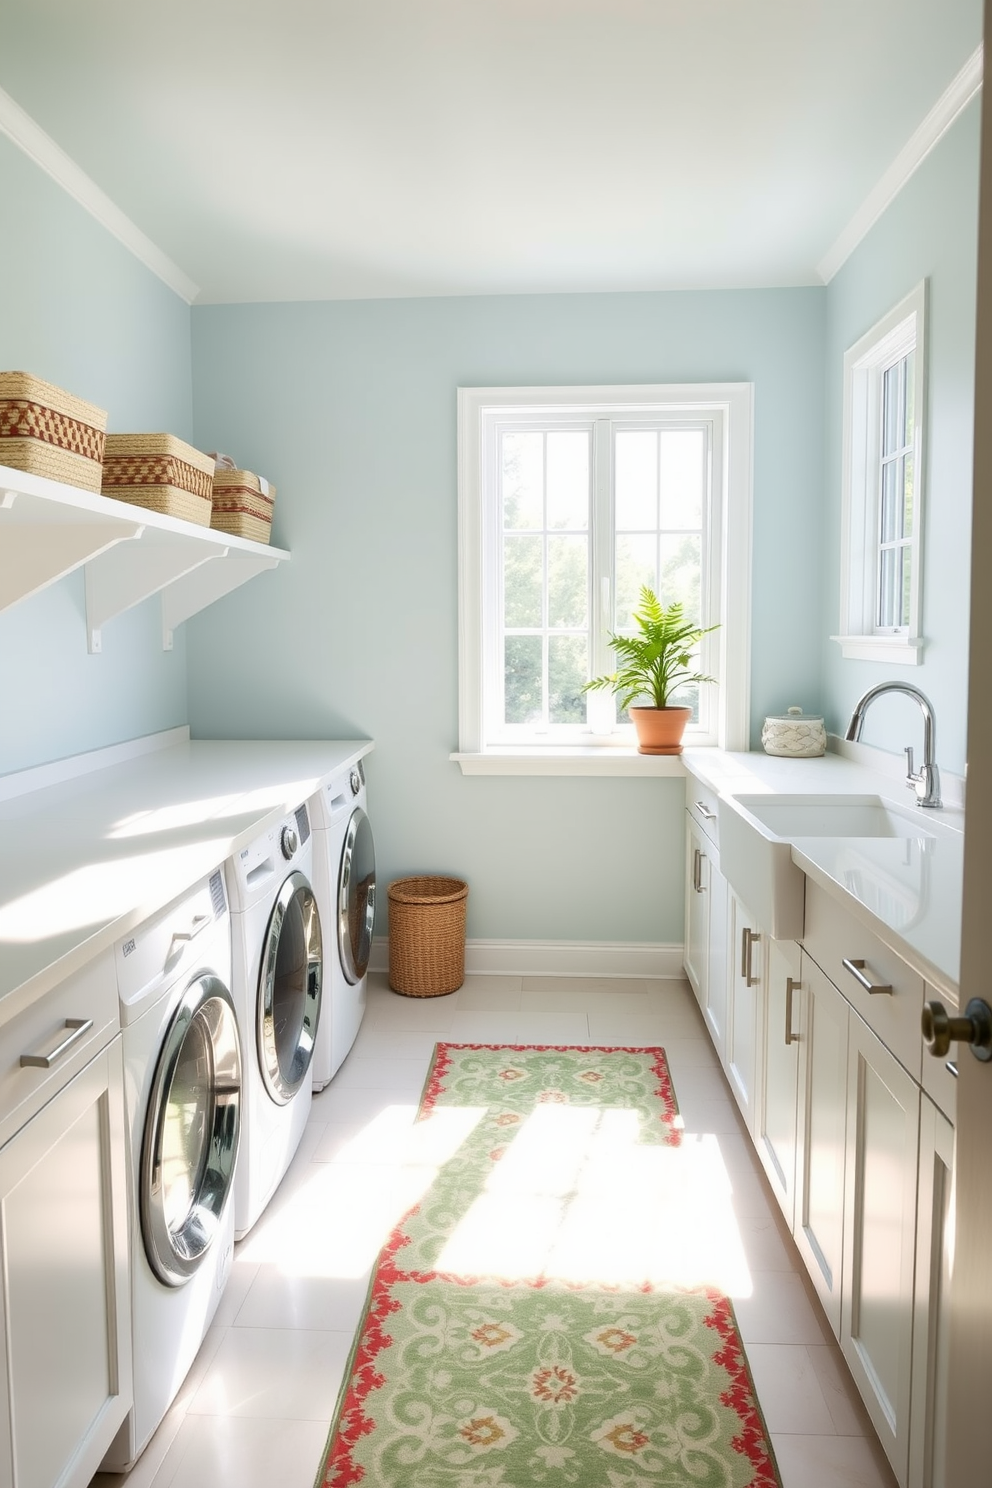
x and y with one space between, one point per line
660 730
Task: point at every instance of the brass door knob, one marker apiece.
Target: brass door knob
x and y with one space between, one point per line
940 1030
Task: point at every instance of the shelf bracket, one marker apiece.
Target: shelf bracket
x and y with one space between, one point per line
32 556
118 580
199 588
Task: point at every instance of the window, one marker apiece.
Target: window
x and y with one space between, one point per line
569 500
882 488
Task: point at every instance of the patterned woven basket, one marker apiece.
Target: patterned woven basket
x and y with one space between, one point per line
427 935
46 431
241 507
161 473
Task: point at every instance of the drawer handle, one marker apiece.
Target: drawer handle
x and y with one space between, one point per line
704 810
697 870
857 970
80 1028
790 986
200 923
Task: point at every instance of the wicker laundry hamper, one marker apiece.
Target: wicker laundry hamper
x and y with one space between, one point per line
427 935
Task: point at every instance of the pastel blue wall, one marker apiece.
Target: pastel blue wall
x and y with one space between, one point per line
79 310
350 409
930 231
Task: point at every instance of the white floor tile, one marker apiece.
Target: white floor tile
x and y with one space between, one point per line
779 1310
789 1389
279 1374
831 1462
277 1299
209 1452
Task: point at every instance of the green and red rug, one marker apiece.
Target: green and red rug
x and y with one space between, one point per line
517 1331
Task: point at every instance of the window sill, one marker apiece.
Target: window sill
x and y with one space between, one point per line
577 761
898 650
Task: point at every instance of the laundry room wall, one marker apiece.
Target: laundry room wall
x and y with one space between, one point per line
78 309
930 232
350 409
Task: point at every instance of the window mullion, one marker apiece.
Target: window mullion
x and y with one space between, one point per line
601 711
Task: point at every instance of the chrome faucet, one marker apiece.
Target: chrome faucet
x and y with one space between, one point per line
926 780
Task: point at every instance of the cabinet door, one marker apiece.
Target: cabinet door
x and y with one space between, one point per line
883 1125
819 1223
776 1112
65 1375
745 982
934 1223
697 910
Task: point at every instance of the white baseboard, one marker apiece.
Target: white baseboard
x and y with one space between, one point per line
565 958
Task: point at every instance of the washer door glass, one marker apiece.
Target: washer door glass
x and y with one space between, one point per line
191 1134
289 988
356 897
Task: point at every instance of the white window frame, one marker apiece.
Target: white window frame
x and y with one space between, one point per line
902 330
730 564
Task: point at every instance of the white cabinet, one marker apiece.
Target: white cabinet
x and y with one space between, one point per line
776 1115
747 953
822 1136
65 1326
883 1119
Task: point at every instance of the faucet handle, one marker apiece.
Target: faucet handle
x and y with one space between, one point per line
910 772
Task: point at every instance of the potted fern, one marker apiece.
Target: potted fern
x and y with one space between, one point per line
652 665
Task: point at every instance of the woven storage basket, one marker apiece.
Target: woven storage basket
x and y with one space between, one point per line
161 473
241 508
427 935
46 431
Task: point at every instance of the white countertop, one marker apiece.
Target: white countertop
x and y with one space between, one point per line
906 890
85 861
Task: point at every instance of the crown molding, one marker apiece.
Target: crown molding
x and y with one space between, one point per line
42 149
938 121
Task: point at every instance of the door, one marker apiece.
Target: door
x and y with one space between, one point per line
776 1116
883 1124
356 897
822 1139
65 1321
192 1128
970 1364
289 990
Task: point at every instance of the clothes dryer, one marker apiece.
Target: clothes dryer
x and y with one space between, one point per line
344 882
277 978
183 1073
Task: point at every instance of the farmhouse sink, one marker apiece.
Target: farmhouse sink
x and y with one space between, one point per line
757 833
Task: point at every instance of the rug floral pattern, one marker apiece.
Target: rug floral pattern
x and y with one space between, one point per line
466 1378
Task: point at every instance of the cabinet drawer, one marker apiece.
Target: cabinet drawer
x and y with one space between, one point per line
833 936
701 804
89 995
939 1082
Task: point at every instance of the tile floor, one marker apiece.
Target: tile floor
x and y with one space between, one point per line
256 1407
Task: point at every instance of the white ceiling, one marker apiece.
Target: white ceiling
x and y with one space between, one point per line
314 149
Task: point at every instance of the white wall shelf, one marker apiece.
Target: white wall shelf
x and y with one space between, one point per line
48 530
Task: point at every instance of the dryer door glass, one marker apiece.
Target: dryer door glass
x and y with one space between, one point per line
191 1134
356 897
289 989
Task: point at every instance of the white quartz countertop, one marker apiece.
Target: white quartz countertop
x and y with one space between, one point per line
907 890
87 860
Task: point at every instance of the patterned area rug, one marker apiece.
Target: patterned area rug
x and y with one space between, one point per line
528 1322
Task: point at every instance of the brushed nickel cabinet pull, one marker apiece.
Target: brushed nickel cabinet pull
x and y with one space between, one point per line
704 810
748 937
790 986
857 970
697 870
80 1028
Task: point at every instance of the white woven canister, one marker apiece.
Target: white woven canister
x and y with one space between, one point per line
794 734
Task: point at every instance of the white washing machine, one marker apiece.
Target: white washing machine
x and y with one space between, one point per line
183 1078
344 882
277 976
